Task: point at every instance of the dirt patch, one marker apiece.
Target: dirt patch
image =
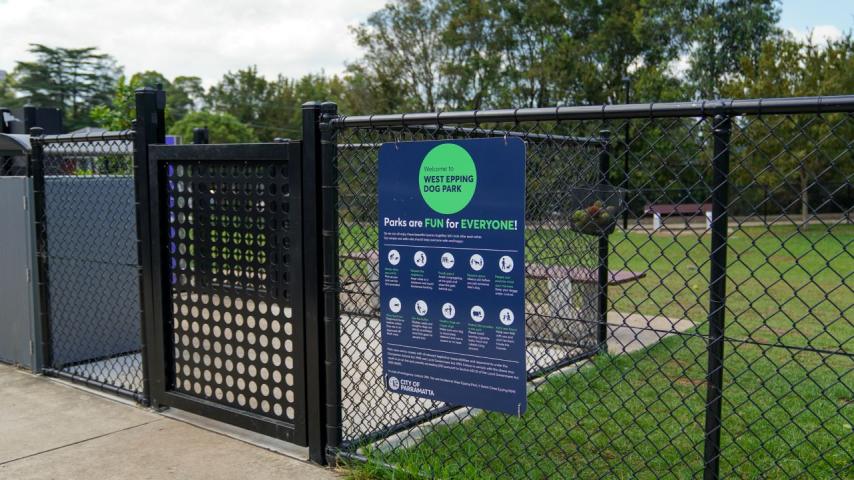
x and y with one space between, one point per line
779 331
668 231
690 382
676 364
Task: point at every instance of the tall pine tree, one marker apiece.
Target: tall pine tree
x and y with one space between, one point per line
73 79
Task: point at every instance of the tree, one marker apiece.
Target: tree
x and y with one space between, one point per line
528 46
473 37
245 94
223 127
447 54
151 79
120 112
634 38
726 35
73 79
789 155
7 91
271 108
404 53
183 95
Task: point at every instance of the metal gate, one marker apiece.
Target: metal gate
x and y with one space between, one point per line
84 188
229 330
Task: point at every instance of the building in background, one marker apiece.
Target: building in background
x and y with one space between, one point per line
21 120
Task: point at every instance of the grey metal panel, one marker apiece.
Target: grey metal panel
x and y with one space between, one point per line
94 309
17 319
35 303
91 218
93 267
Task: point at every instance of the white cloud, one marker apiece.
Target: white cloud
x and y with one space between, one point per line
679 67
192 37
820 33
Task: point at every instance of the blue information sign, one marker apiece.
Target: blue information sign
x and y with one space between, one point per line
452 271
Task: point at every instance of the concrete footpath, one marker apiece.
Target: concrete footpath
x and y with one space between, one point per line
50 430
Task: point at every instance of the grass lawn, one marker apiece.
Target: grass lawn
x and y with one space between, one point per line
787 412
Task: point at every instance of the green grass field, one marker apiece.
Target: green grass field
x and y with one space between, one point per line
787 412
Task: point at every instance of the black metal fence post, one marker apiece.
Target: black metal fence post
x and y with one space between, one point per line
627 81
329 187
35 170
201 136
717 296
149 129
602 306
312 283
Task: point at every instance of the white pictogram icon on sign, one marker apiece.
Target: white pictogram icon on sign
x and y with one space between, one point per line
506 316
476 262
447 260
448 311
421 307
420 258
505 263
393 257
394 304
477 313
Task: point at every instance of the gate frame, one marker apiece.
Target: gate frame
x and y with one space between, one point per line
160 347
315 279
150 128
152 119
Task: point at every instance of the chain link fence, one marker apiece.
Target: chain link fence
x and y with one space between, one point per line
713 337
88 252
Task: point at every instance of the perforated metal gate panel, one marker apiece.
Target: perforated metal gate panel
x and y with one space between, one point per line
232 317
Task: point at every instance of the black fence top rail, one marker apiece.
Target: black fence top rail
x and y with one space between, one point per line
703 108
85 137
497 132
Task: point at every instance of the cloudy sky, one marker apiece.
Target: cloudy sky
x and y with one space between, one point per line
209 37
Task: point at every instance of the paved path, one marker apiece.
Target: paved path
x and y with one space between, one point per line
51 430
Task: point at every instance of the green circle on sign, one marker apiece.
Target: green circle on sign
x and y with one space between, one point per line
447 178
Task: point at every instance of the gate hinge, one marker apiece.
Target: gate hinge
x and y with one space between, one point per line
31 346
24 198
27 274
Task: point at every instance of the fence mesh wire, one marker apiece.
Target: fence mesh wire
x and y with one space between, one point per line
638 407
13 155
90 249
6 164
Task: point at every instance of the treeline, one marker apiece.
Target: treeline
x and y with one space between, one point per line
424 55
